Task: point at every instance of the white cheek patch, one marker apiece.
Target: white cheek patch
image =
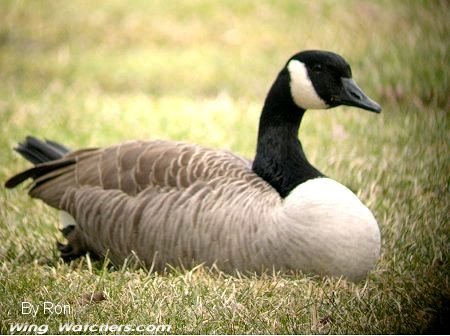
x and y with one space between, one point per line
302 90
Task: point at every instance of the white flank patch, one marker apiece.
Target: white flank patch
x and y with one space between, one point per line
66 219
302 90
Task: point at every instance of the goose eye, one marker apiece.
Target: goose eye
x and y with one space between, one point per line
317 67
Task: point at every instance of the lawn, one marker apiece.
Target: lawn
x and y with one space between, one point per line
97 73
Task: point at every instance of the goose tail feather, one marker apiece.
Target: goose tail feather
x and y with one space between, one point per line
45 155
37 151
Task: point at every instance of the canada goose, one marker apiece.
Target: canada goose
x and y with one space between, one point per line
182 204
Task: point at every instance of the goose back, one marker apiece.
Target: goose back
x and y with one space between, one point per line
168 202
132 167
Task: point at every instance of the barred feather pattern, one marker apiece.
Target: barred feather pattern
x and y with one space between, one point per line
168 202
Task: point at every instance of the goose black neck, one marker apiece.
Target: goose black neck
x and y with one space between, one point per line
280 159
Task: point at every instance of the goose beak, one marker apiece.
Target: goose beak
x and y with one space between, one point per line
352 95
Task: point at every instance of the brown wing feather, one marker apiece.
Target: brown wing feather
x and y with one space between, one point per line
130 167
220 221
169 202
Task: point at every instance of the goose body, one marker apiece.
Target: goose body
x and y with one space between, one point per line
183 204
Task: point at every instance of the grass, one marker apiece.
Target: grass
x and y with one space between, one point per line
93 75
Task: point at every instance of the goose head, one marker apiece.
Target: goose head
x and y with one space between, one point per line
310 79
323 79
